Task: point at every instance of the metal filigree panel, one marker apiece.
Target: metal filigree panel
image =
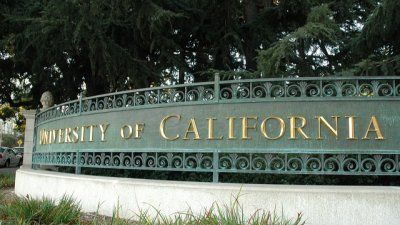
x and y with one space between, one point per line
215 162
277 89
216 101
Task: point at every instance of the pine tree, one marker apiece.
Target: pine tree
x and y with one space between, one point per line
378 45
100 46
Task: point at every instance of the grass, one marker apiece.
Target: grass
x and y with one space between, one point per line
232 214
24 211
29 211
97 219
7 181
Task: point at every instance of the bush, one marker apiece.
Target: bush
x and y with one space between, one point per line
9 140
7 181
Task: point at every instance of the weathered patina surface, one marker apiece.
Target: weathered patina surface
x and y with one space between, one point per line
301 125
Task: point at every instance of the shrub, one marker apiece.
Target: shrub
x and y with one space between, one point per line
7 181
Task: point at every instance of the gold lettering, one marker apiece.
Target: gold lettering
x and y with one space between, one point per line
281 125
52 136
83 129
68 131
162 127
91 132
246 127
138 128
376 129
322 120
294 127
43 137
83 133
231 128
351 125
60 135
103 129
130 132
211 129
192 128
75 134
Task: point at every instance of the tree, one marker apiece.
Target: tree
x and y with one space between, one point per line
378 45
8 72
298 52
99 46
6 112
9 140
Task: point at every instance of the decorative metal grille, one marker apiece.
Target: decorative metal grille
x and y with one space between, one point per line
286 163
252 90
281 89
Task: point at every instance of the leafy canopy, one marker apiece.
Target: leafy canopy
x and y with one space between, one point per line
98 46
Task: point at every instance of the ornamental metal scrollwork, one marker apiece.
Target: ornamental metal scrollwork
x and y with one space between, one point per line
194 94
277 91
226 93
140 99
259 92
208 94
341 164
312 90
242 90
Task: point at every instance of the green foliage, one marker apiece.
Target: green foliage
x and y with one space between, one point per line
9 140
373 65
232 214
6 181
229 75
26 210
378 45
290 55
23 211
382 28
6 112
98 46
20 121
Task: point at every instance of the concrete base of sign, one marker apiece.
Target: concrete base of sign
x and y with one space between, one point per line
321 205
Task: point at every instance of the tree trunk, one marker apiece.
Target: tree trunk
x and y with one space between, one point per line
96 82
181 78
304 67
249 46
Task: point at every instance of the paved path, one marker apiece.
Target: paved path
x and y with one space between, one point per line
8 170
